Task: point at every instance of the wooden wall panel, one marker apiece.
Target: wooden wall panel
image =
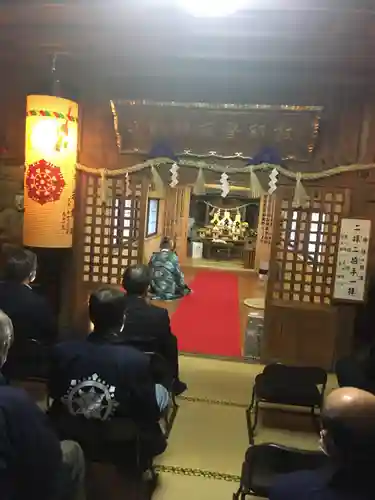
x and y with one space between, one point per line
301 336
349 127
98 141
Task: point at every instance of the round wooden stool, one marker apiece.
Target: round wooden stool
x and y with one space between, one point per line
256 303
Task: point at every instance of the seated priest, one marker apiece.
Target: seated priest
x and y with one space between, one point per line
100 380
167 279
35 326
148 324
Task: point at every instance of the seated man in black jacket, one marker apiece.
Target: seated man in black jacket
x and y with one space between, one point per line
97 380
30 313
33 463
145 321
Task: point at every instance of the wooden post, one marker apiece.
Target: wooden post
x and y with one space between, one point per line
264 236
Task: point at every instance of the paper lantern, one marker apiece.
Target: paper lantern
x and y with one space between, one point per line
50 171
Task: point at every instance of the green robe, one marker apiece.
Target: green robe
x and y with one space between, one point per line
167 279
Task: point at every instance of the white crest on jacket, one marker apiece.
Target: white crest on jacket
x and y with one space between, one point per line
91 397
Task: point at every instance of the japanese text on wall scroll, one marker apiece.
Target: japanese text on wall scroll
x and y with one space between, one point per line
351 266
222 129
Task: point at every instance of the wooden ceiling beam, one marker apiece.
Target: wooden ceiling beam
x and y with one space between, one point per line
119 45
112 47
115 30
274 27
137 19
128 66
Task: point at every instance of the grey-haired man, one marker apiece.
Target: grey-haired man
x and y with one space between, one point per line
33 462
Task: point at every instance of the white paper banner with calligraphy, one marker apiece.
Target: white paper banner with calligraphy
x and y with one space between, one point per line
222 129
351 266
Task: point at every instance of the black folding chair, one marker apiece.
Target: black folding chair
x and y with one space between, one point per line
287 385
162 375
265 462
28 361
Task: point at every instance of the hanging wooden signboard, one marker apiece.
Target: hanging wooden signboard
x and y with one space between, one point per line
218 129
352 257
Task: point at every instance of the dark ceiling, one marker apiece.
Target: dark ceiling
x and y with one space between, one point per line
144 48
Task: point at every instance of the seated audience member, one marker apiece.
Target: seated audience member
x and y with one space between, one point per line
363 334
348 438
33 462
145 321
167 279
358 370
101 379
31 315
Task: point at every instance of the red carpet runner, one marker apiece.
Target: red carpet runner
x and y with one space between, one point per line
208 320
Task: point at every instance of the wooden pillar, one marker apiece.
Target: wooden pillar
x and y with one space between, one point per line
265 224
176 218
143 201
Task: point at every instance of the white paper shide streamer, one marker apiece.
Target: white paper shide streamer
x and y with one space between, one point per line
127 185
273 181
174 175
301 198
224 185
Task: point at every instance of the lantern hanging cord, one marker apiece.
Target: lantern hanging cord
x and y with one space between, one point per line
53 69
55 80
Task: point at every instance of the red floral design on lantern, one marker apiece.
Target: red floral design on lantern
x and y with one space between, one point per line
44 182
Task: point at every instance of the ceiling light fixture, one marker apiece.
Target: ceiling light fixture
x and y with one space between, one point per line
212 8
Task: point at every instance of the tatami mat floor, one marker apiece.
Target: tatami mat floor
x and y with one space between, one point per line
209 437
175 487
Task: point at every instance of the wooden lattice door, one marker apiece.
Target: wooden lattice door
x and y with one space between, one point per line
110 235
176 218
301 322
114 231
